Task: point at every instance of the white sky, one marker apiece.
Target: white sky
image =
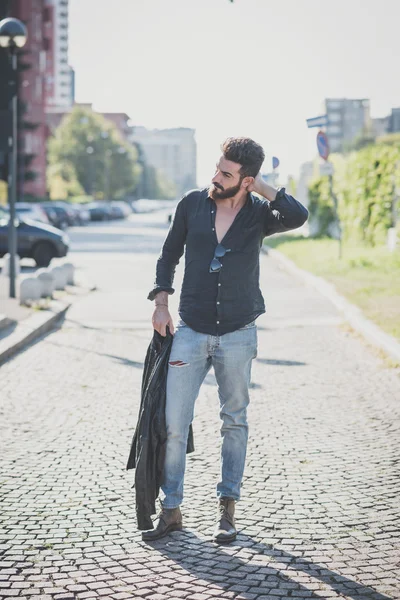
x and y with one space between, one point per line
254 67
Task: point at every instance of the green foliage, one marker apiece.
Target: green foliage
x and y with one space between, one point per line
389 138
321 206
90 156
364 184
62 181
367 193
361 141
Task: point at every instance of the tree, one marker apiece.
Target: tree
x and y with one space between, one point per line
62 182
92 150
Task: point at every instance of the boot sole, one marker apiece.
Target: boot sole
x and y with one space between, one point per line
225 540
169 529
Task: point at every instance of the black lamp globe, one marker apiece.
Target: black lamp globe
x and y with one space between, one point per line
13 33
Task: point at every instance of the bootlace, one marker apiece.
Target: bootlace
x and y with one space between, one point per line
224 513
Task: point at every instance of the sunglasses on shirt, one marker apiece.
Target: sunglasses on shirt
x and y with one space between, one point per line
216 265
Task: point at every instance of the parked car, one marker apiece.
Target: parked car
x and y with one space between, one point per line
79 215
83 214
31 211
34 240
120 209
99 211
69 212
57 215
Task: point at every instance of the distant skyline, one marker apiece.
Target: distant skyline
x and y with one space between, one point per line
253 67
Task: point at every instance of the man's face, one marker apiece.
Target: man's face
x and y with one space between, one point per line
227 180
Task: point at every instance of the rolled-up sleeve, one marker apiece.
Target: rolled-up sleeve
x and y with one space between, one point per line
171 252
283 214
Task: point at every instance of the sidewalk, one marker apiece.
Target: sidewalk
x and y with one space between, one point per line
20 325
319 515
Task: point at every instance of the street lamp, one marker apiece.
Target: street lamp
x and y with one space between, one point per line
13 35
90 151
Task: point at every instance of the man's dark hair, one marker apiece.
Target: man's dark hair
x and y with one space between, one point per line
246 152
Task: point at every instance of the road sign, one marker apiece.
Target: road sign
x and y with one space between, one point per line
275 162
320 121
323 145
326 168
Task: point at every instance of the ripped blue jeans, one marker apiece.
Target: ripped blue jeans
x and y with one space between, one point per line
192 356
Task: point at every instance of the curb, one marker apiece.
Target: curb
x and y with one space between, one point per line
354 315
31 328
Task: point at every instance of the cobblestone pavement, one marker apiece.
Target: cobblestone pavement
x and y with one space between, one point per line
320 511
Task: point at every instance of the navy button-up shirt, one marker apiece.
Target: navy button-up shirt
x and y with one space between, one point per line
221 302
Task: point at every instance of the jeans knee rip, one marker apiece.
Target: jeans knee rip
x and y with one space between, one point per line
178 363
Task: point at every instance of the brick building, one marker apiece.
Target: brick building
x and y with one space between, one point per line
47 83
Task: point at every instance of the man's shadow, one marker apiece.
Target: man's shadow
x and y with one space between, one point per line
219 565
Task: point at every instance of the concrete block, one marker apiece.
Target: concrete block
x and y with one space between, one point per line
60 279
47 282
6 265
70 271
30 289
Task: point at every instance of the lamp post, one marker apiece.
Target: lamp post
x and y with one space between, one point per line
13 35
89 151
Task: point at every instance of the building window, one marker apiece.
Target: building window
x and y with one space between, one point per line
333 104
332 129
334 117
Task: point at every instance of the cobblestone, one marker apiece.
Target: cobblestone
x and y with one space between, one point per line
319 515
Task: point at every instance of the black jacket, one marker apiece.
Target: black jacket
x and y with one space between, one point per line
149 440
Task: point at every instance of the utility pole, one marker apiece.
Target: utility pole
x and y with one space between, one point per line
13 35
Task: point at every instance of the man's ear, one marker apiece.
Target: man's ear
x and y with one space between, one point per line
247 181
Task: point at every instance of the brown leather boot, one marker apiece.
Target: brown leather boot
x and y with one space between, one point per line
169 519
225 530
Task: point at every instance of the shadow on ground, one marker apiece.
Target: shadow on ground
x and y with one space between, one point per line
219 565
280 362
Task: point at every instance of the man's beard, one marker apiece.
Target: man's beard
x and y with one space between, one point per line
221 194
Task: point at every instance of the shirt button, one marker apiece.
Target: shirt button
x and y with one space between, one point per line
212 212
218 302
217 322
219 284
213 229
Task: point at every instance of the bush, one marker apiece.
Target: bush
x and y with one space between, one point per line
364 184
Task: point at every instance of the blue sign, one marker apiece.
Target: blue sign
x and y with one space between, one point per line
275 162
320 121
322 145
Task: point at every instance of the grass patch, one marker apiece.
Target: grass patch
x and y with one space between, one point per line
368 277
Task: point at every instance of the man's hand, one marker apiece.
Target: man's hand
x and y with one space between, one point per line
162 318
261 187
256 186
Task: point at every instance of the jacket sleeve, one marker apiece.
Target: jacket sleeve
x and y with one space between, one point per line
283 214
171 252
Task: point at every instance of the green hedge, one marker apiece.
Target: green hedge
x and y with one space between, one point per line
364 184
